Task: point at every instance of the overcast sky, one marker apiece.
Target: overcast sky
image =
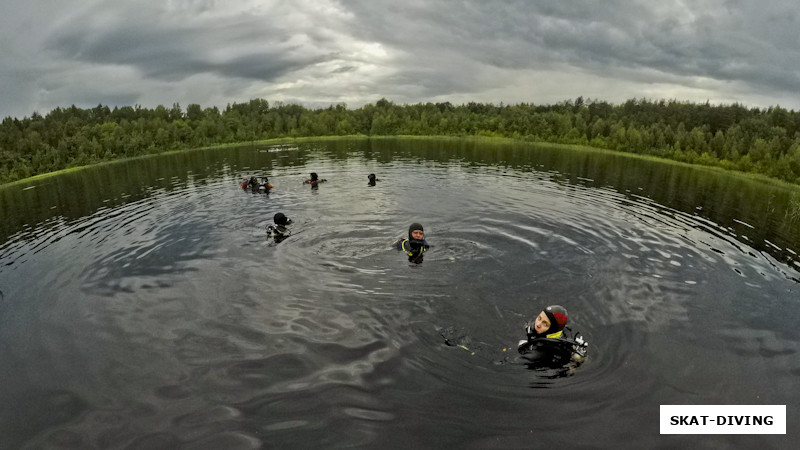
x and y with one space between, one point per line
322 52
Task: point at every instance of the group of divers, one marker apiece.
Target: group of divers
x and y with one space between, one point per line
549 342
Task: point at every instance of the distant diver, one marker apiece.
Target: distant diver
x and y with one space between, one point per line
371 179
265 185
257 185
550 343
415 246
314 180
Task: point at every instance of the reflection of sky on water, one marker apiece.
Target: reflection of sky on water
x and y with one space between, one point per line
173 307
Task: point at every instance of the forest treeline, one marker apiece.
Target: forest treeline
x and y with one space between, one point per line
765 141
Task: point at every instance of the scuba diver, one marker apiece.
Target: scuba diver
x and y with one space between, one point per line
550 342
416 245
255 184
265 186
250 183
372 179
314 180
279 231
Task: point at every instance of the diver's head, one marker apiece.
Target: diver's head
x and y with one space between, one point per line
371 177
552 320
281 219
314 176
416 232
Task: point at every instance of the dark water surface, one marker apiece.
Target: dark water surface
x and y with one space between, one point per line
143 306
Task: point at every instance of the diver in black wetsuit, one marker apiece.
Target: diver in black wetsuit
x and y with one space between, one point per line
251 183
550 342
264 185
416 245
314 180
279 231
257 185
371 179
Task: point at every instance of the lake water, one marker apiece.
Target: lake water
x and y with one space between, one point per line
144 307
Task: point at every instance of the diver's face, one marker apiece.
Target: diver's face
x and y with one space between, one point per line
417 234
542 323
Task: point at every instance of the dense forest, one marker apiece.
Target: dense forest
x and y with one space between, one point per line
765 141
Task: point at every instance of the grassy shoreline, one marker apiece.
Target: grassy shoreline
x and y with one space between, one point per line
469 138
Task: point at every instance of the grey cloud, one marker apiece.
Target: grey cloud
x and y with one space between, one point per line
345 69
670 37
159 46
200 51
266 66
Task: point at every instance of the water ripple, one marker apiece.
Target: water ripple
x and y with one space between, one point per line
169 319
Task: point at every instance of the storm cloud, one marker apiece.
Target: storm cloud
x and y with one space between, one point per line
322 52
